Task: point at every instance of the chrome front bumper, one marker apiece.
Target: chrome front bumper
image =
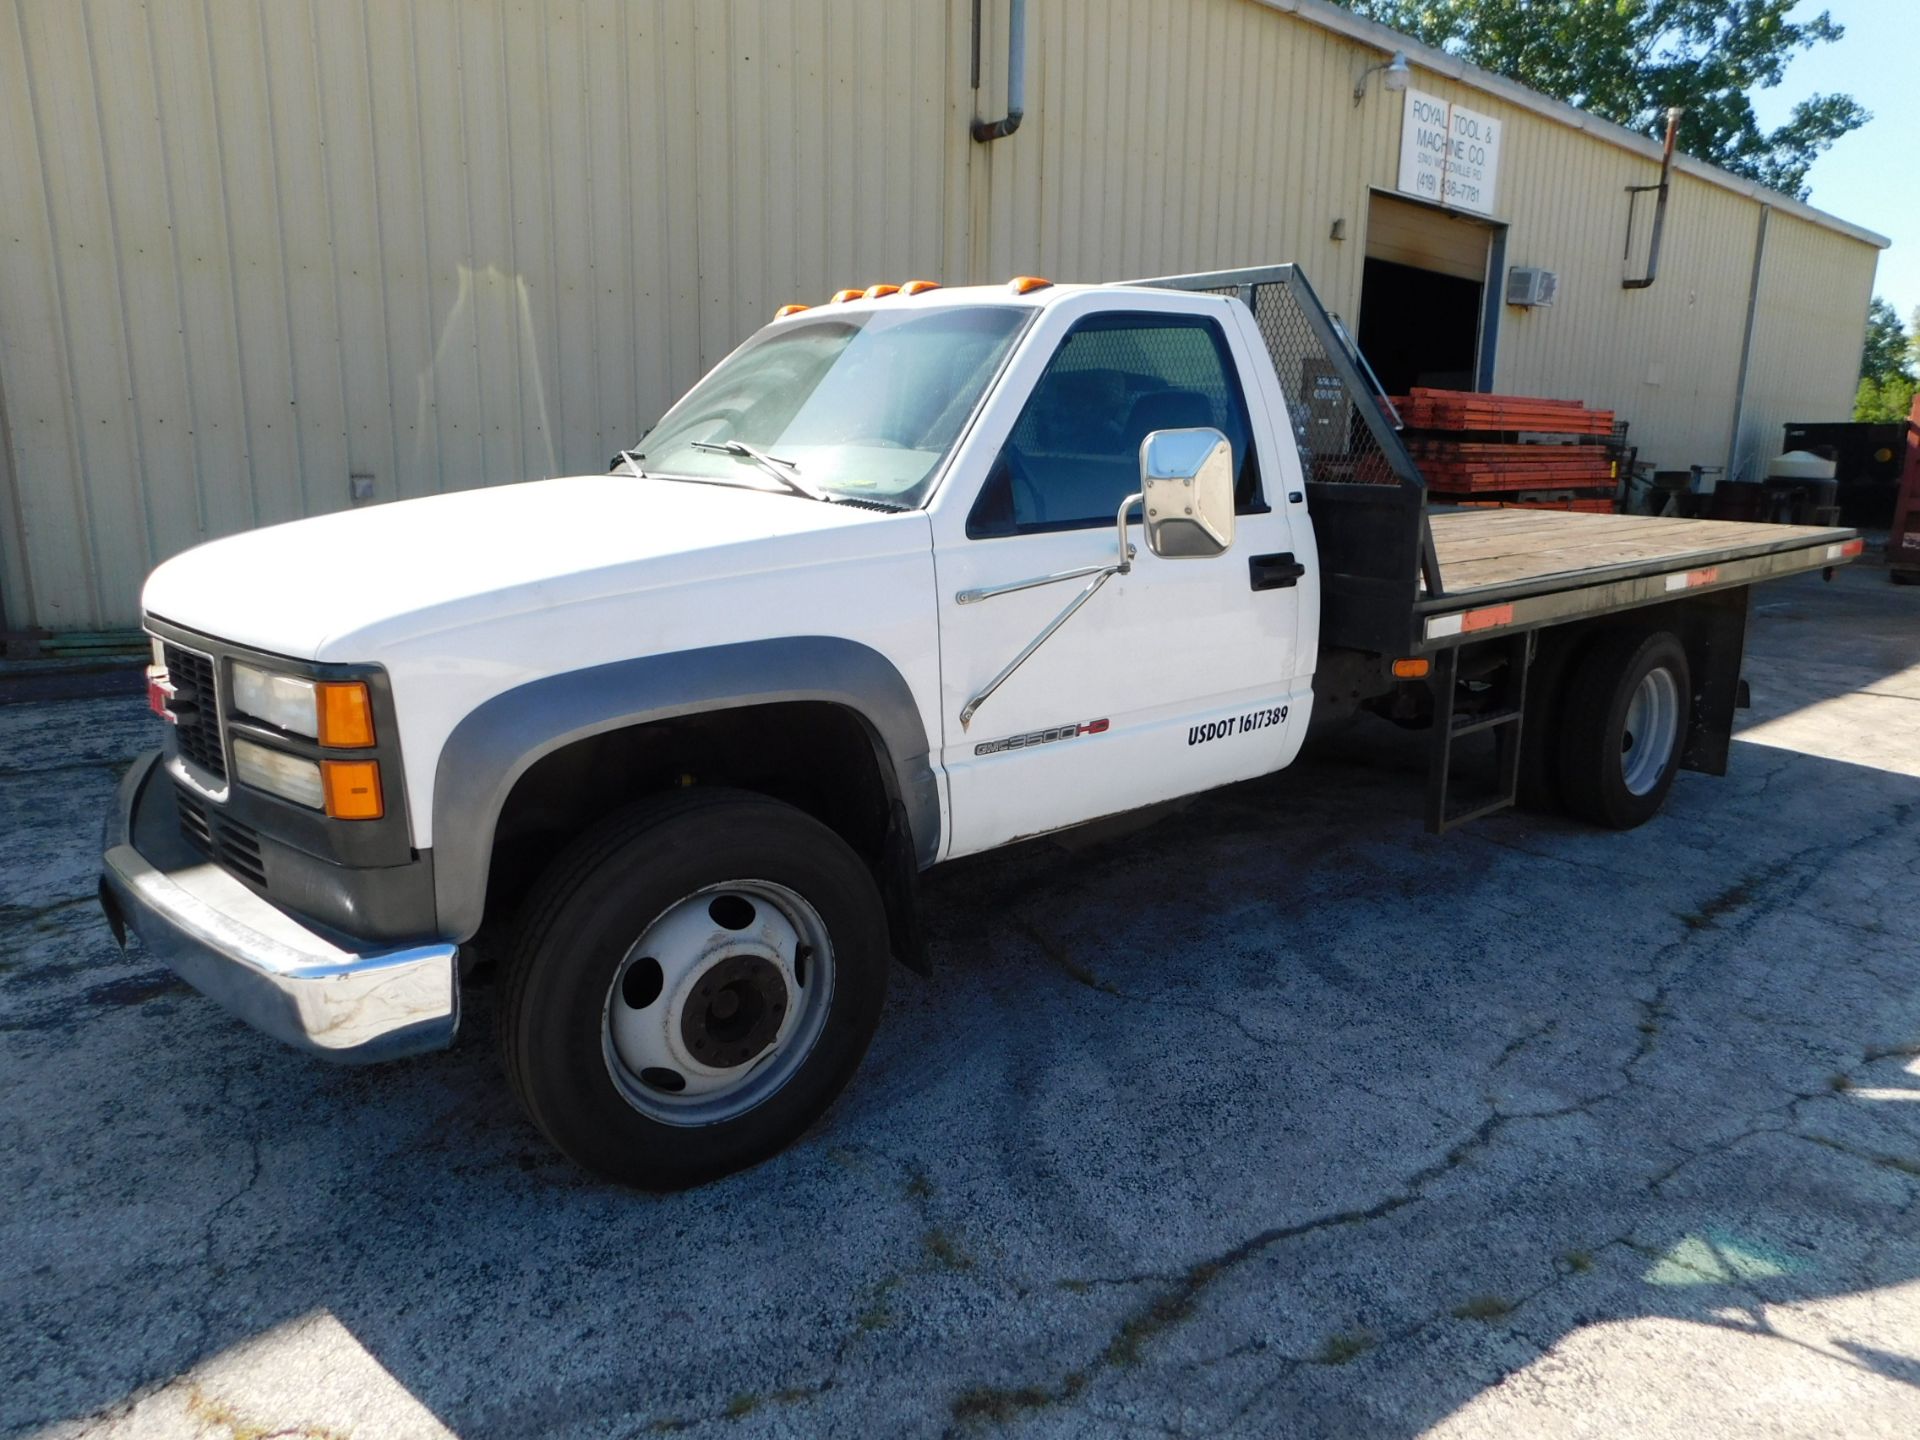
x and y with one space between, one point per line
273 971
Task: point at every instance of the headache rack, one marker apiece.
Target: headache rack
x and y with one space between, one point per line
1366 494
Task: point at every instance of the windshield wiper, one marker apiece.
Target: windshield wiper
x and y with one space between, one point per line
632 462
785 471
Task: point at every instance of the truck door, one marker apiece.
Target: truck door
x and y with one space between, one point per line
1179 676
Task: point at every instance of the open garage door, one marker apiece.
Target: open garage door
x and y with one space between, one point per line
1422 296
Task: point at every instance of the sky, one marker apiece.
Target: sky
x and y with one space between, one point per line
1868 177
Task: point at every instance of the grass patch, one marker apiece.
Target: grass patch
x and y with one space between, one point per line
919 1187
1892 1052
1837 1083
945 1251
1137 1329
1730 899
1348 1345
742 1405
1578 1261
1483 1307
998 1404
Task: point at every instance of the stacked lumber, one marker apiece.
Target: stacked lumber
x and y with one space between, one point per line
1603 505
1469 410
1469 448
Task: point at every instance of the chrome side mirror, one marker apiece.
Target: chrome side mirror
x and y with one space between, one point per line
1186 493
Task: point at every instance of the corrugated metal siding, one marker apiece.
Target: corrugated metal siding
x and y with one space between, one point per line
248 250
1804 365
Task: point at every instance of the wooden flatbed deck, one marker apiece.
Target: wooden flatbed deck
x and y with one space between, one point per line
1515 569
1484 550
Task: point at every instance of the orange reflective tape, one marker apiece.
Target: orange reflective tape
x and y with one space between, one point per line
1487 618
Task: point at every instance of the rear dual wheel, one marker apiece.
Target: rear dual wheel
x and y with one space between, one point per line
1622 727
692 984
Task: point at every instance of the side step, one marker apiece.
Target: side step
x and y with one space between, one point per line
1501 714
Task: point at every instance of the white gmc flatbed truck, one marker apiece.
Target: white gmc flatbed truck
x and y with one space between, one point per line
908 576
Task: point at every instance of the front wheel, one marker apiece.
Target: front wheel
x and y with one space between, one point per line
693 982
1623 726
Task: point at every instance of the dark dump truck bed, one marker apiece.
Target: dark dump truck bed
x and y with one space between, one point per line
1398 578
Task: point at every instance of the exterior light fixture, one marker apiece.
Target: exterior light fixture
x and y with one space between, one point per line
1398 72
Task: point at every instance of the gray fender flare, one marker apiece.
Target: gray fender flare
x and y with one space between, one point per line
493 747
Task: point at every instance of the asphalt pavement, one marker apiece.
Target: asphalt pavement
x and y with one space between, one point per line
1279 1117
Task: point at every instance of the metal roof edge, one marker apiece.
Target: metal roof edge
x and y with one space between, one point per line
1371 32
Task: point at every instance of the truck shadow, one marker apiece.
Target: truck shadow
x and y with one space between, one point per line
1277 1117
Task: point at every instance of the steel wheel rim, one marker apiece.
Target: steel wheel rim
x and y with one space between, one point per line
715 1007
1652 726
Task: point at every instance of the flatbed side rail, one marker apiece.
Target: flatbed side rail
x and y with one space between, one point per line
1363 484
1556 600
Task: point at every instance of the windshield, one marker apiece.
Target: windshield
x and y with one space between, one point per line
863 405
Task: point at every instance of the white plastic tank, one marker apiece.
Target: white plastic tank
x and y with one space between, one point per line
1800 465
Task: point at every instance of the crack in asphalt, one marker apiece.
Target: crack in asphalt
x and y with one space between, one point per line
1180 1294
1059 954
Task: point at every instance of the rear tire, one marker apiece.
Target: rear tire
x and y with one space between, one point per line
1539 759
1623 726
692 983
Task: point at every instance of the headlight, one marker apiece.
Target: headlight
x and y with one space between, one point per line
281 700
339 714
288 776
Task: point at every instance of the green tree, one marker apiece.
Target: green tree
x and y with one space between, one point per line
1884 400
1888 351
1628 60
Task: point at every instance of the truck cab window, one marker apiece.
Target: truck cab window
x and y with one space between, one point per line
1074 453
865 403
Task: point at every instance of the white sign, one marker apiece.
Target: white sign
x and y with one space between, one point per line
1449 155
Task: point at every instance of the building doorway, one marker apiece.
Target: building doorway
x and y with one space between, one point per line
1424 316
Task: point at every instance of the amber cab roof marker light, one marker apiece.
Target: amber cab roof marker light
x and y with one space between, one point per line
1027 284
880 292
840 297
786 310
919 287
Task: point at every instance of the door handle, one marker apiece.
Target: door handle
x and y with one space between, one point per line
1275 572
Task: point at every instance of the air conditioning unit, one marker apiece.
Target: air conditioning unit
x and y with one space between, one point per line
1530 285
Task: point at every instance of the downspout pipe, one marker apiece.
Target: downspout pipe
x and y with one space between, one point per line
987 131
1746 346
1659 207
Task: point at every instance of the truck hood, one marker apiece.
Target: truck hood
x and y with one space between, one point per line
344 586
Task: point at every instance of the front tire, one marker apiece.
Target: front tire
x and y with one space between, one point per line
1623 725
693 982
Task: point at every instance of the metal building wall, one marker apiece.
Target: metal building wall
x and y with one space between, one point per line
1805 365
1187 134
249 248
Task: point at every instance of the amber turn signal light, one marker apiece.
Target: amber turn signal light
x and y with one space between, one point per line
345 715
352 789
1411 669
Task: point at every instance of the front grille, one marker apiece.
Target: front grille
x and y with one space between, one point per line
221 839
196 710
